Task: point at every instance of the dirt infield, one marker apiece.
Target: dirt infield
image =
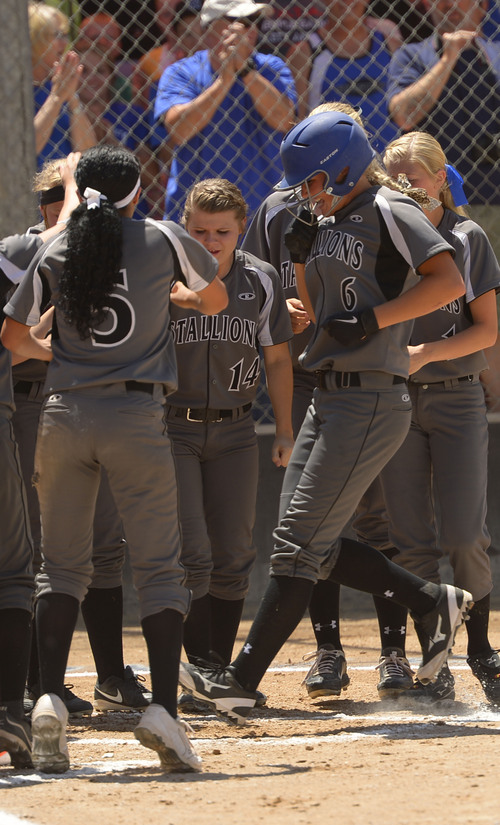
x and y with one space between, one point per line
354 759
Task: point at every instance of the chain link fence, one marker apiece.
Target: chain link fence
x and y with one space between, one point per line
132 90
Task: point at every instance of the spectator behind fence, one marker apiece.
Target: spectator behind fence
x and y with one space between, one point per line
182 37
284 34
226 108
61 125
449 85
347 62
117 123
102 33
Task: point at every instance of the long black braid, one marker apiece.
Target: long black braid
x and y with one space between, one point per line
94 252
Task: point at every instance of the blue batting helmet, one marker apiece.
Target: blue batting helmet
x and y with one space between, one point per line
327 142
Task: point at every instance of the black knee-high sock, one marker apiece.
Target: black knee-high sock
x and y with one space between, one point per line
33 679
15 641
102 611
56 615
197 630
163 634
364 568
477 627
392 617
225 617
281 609
324 612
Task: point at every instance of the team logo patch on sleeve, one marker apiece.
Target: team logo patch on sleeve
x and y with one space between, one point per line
246 296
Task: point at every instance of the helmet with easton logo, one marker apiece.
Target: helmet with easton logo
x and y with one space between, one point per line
328 142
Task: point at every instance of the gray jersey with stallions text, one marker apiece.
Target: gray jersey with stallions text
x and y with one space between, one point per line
120 349
218 358
364 255
480 270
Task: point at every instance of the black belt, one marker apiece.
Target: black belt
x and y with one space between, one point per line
344 380
468 378
139 386
206 416
24 386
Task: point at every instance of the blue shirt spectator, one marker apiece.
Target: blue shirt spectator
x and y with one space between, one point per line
226 109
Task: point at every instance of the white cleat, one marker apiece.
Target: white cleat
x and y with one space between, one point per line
162 733
48 726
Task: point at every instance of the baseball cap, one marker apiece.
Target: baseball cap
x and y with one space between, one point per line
216 9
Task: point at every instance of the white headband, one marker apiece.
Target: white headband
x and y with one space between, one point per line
94 197
130 197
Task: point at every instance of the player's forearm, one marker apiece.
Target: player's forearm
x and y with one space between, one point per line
21 340
188 119
441 283
279 377
300 281
409 107
275 108
481 335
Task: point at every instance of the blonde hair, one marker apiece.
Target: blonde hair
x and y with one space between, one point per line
215 195
343 108
41 19
48 176
424 149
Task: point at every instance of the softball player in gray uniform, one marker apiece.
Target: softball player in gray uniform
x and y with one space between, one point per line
444 458
265 238
16 551
110 278
210 420
103 604
357 286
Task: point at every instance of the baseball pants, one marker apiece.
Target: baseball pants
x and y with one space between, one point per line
124 432
347 437
217 474
444 459
16 550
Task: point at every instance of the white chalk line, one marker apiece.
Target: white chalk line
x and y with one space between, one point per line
77 671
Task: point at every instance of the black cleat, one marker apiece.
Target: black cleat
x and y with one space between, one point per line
396 675
328 674
442 689
219 689
15 738
486 668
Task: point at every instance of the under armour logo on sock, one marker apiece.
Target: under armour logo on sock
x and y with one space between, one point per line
318 626
401 630
247 648
389 594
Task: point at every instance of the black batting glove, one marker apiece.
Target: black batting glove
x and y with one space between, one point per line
351 328
301 235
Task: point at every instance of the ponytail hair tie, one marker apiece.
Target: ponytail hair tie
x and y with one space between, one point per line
455 183
93 198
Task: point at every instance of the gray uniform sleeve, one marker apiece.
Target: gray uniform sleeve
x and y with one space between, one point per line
198 266
16 253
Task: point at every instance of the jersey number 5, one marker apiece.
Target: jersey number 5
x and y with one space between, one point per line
120 322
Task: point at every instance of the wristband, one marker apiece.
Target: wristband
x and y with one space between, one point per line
369 321
250 66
